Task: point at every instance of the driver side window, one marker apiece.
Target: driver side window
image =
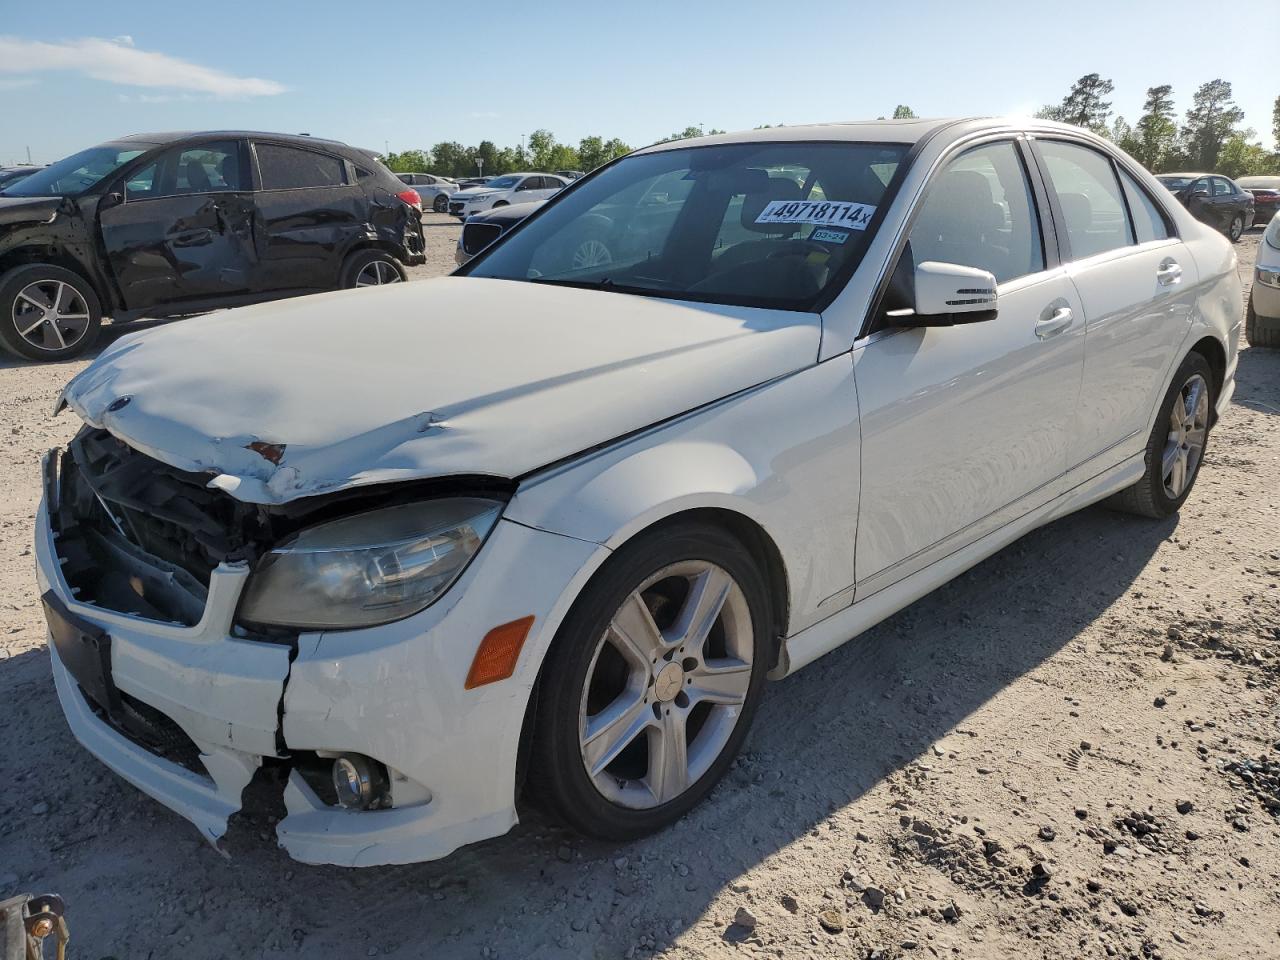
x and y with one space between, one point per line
979 213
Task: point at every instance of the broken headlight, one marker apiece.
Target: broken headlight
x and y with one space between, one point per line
370 568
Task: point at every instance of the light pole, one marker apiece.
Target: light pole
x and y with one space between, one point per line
480 166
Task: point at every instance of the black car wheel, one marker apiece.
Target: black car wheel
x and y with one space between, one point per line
1236 229
371 268
441 203
47 312
652 682
1176 446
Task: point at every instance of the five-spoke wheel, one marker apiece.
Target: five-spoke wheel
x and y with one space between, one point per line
47 312
1188 429
652 681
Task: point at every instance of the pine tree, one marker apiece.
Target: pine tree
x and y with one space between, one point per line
1211 122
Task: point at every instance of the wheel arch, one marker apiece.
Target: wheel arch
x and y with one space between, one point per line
28 255
1213 351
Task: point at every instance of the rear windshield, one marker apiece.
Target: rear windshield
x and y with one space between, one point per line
1260 183
758 224
78 172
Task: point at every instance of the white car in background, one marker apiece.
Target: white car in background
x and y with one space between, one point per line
434 191
1262 320
591 508
506 189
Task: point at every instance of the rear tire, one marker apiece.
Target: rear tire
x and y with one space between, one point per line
1176 446
621 706
47 312
1261 331
370 268
1236 229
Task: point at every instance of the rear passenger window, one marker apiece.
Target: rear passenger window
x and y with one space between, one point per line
1090 197
979 213
1221 188
1148 221
284 168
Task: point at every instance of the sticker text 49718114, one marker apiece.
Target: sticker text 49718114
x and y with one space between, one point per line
834 213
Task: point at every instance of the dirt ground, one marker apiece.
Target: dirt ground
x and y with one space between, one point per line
1071 751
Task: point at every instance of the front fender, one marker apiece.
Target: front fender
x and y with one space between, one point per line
784 456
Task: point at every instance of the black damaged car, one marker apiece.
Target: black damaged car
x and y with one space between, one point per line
164 225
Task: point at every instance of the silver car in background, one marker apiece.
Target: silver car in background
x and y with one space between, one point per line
1262 320
434 191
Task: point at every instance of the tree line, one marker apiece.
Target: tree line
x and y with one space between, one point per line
1210 138
543 154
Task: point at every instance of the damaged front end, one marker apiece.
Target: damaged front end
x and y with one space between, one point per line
145 572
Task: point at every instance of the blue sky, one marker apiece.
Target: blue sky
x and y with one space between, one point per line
411 74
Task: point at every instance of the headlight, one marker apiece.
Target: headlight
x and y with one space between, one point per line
1272 236
370 568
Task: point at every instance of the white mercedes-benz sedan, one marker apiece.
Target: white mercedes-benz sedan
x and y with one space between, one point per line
545 530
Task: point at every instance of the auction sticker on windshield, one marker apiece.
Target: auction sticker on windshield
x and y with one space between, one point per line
839 213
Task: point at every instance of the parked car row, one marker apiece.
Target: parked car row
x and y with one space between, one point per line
434 191
167 225
1213 199
572 522
11 175
504 190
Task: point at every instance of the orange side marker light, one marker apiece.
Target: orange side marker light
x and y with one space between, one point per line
498 652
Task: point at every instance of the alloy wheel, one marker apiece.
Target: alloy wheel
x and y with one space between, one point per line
591 253
1236 228
376 273
1188 427
50 315
666 685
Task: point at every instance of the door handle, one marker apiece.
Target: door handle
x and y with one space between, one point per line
1169 272
1055 323
193 238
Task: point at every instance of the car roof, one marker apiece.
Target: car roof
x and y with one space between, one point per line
180 135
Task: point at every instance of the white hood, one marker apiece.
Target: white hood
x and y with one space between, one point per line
448 377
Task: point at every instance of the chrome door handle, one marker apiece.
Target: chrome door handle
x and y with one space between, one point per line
1169 272
1055 323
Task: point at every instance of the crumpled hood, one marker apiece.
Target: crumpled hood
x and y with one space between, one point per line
27 209
447 377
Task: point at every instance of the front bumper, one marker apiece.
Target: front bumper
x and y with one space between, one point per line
395 693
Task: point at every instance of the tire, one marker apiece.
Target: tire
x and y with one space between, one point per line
441 203
586 678
1236 228
1261 331
28 293
500 203
370 268
1159 493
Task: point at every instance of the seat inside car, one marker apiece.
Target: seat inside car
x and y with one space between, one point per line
196 176
961 223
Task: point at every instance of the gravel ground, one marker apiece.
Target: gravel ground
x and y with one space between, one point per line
1071 751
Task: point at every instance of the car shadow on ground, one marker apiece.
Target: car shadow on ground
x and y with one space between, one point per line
107 335
821 739
1257 380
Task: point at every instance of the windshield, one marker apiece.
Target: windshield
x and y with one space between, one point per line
758 224
78 172
501 183
1175 183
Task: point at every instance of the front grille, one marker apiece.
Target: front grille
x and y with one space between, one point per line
138 536
477 236
146 727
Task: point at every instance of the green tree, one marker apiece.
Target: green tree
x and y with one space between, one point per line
1083 105
1156 134
903 112
408 161
595 151
1275 125
1240 158
451 160
689 133
1211 121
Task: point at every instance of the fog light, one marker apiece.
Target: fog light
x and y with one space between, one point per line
1269 277
361 783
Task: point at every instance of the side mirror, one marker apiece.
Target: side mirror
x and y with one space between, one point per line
1200 192
947 294
113 199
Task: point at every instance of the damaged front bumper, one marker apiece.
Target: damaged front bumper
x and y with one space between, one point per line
395 693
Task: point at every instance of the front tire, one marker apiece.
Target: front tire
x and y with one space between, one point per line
651 683
1176 446
441 203
370 268
1261 331
47 312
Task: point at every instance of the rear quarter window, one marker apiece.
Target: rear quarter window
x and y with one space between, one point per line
285 168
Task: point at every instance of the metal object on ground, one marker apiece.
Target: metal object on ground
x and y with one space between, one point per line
29 921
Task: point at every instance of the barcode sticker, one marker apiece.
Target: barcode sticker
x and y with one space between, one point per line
834 213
